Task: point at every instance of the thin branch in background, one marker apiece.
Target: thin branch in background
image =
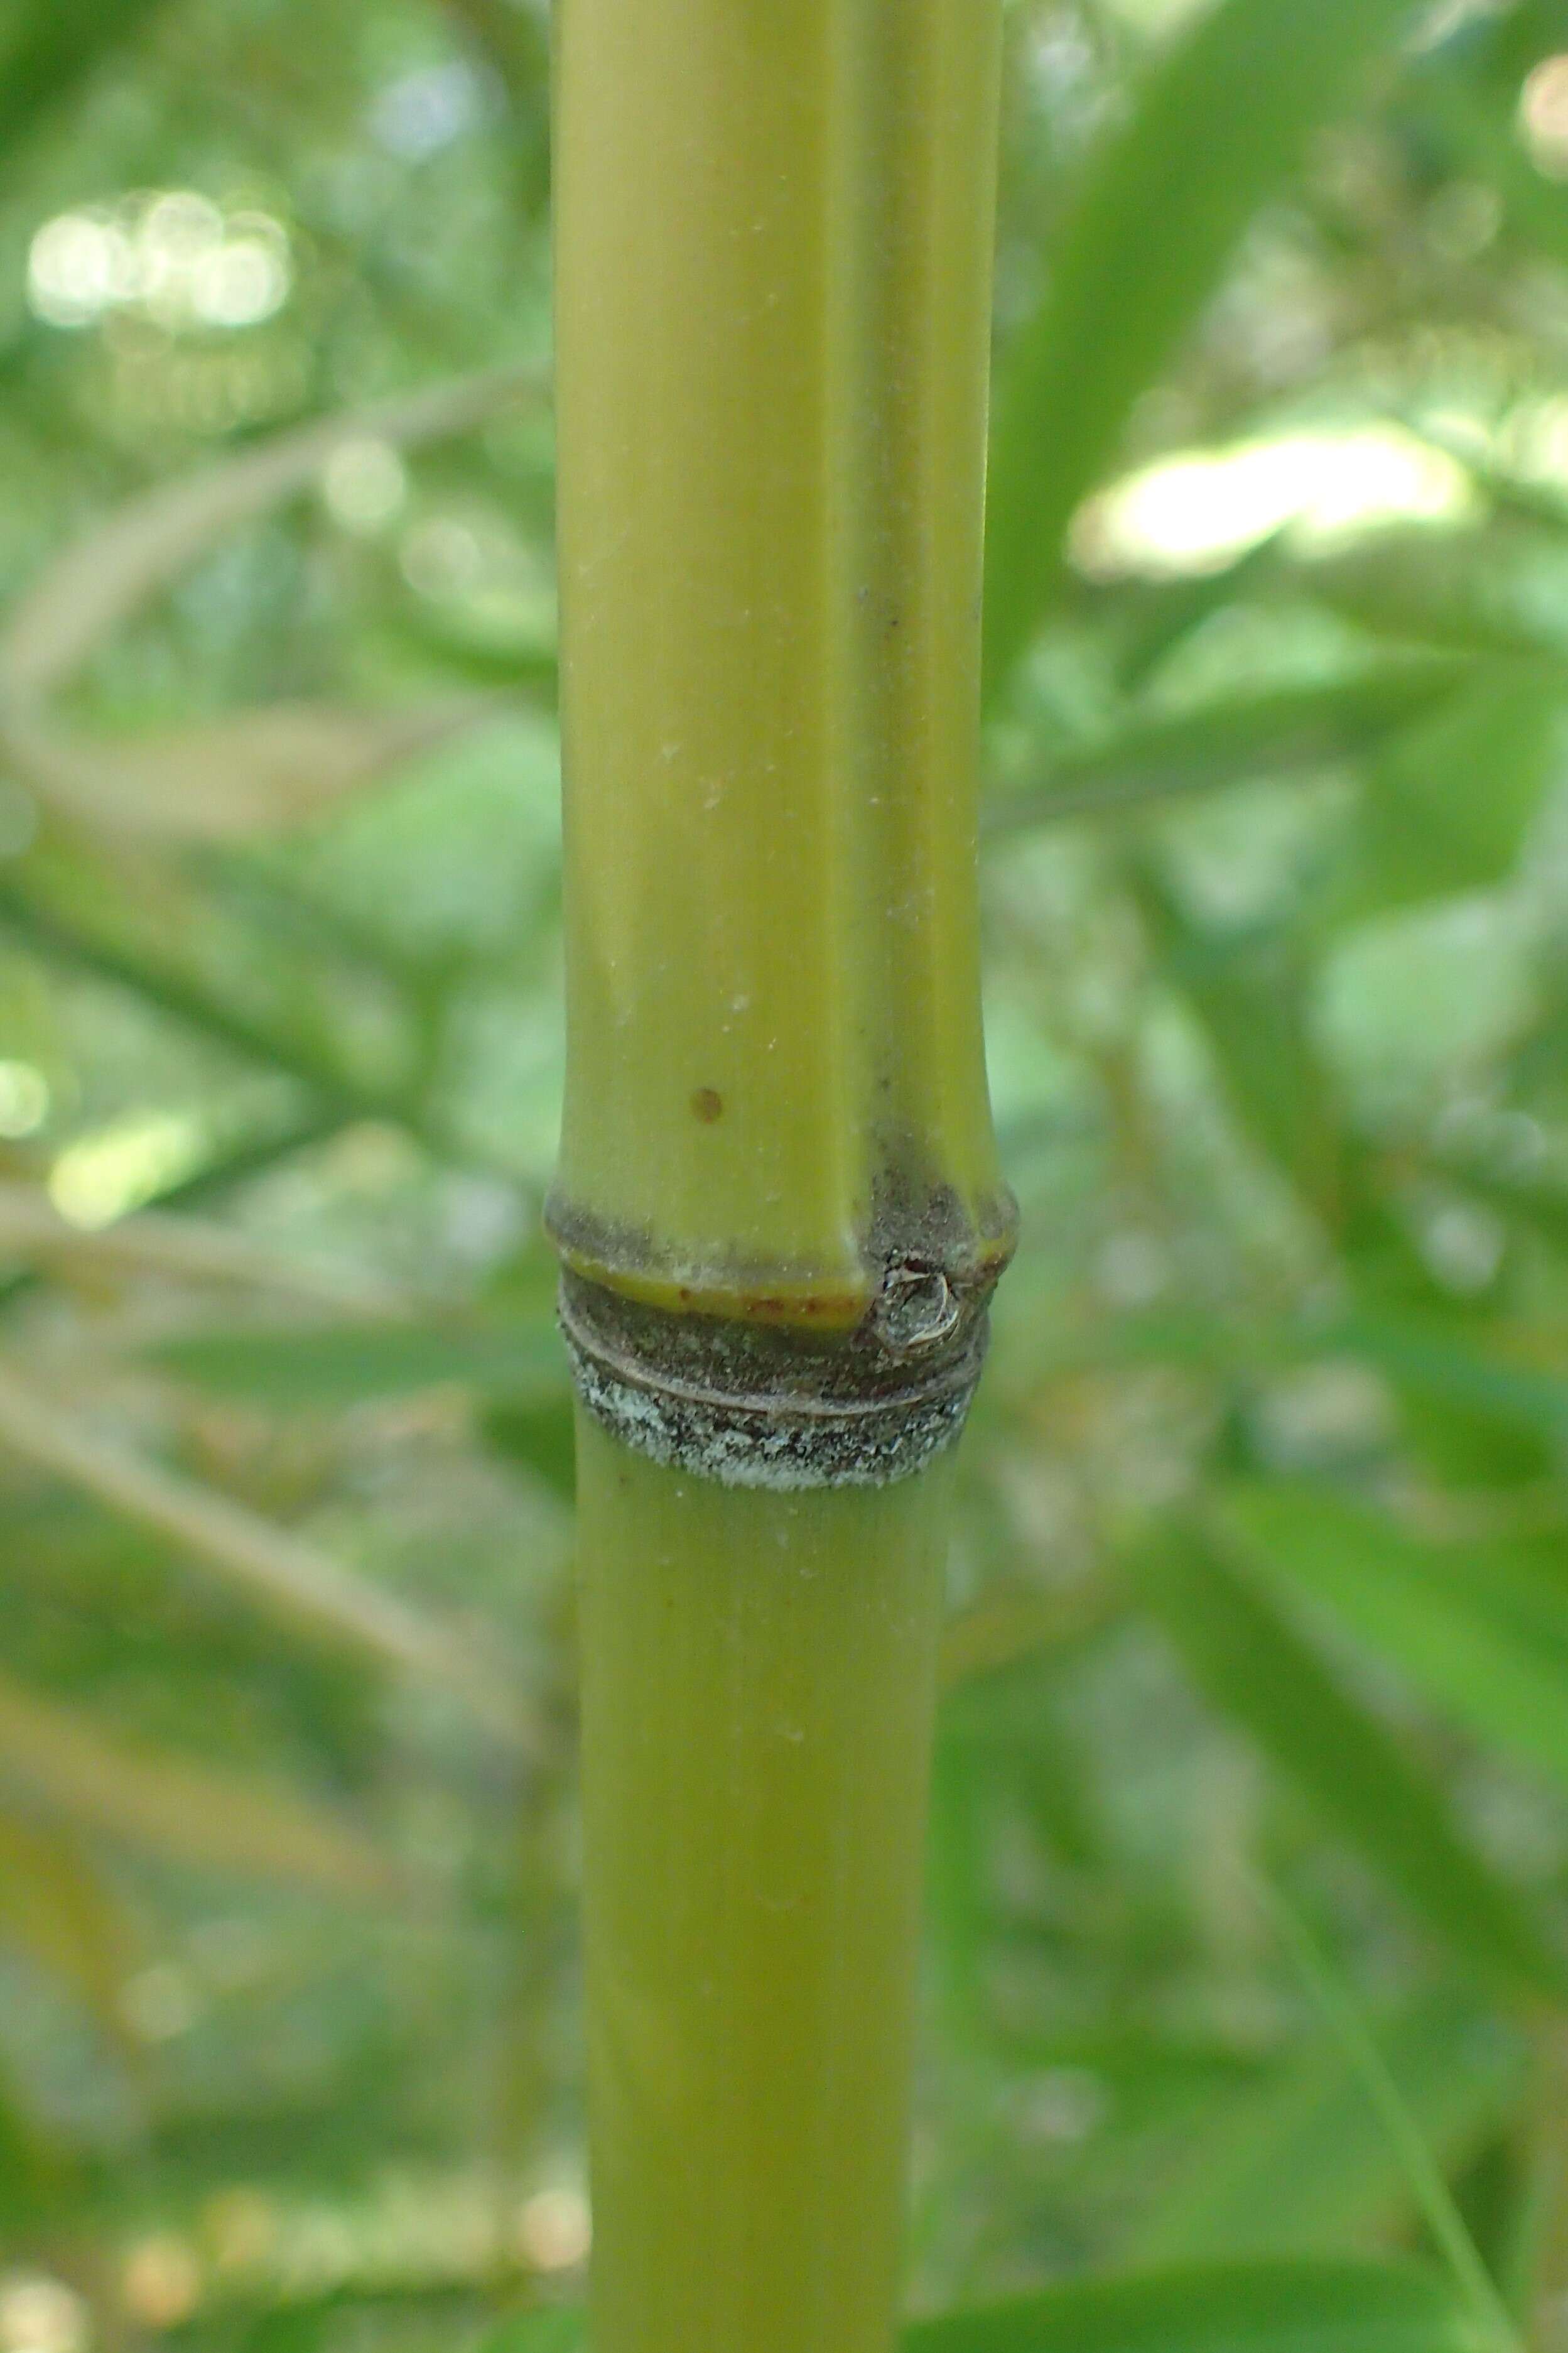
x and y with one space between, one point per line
183 1810
183 1249
100 580
287 1579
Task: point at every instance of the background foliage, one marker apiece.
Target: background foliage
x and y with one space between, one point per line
1249 1862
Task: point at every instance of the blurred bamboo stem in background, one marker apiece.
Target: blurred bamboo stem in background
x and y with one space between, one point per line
778 1204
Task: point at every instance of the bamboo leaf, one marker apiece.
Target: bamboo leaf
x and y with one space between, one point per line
1432 2200
1249 989
181 1812
1300 2160
1429 1361
1285 730
1222 126
1232 2308
1152 617
1258 1671
1281 2307
1476 1625
1448 805
97 582
1470 592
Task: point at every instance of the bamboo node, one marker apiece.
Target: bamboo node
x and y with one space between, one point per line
754 1405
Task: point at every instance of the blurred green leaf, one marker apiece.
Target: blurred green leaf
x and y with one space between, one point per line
1248 987
342 1365
48 52
1538 1202
1482 1627
1428 2186
517 44
1288 728
1221 126
1481 132
1436 1360
1001 1711
37 918
537 2332
1472 592
1302 2160
48 910
542 1438
1258 1671
960 1909
1151 619
1232 2309
1449 802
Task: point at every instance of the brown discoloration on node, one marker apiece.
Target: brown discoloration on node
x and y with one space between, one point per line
707 1104
918 1227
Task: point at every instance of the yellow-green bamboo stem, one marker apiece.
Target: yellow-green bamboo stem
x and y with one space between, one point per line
778 1202
772 305
759 1674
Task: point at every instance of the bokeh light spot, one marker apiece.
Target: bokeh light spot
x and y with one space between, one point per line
366 485
170 255
1543 116
24 1099
107 1175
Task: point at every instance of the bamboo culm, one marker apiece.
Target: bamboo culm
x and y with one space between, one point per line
778 1205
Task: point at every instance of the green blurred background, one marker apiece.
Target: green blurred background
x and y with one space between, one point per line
1255 1738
